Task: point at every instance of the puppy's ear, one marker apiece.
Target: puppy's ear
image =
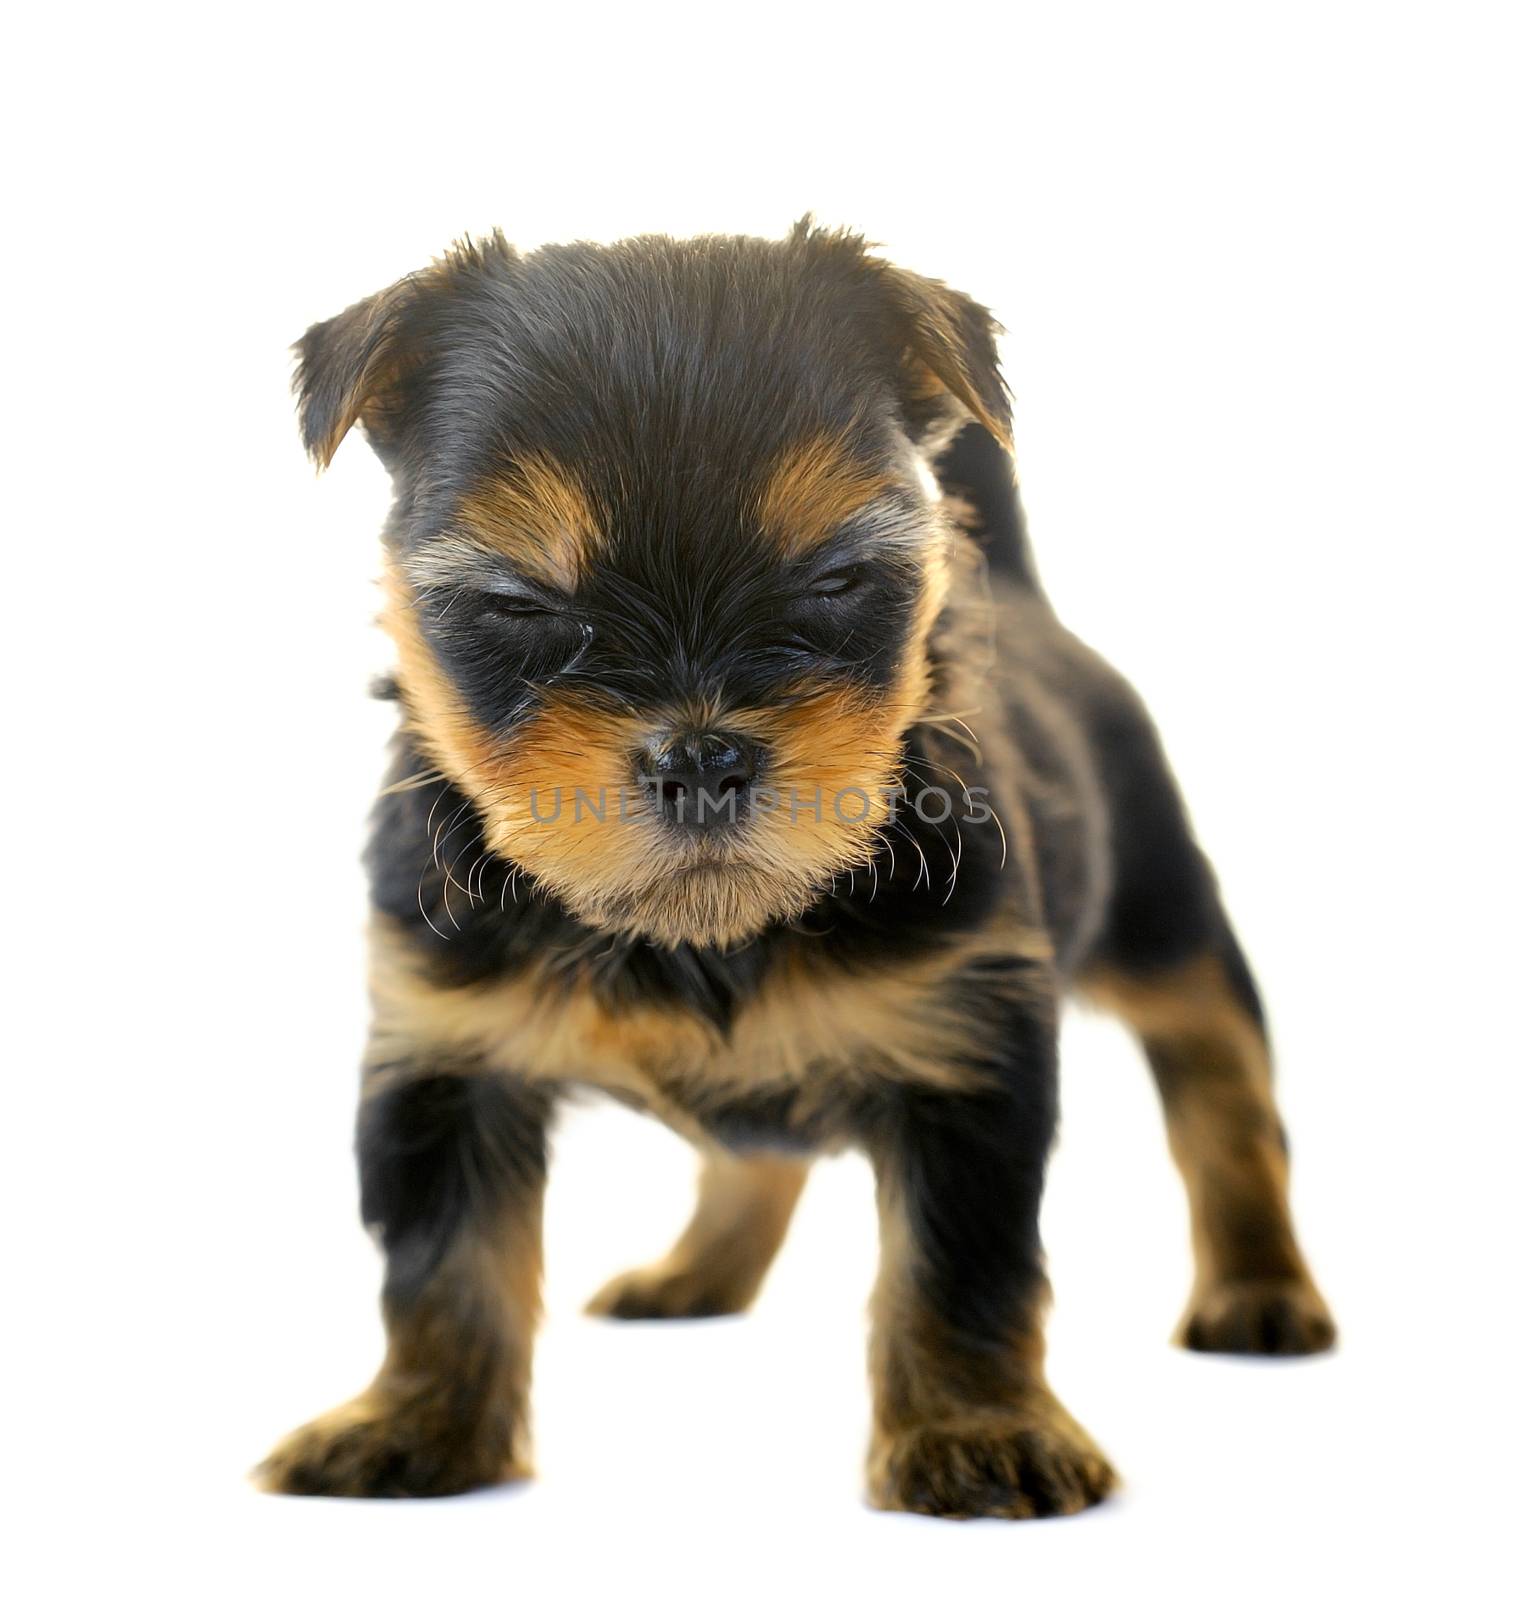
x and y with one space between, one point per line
353 368
368 364
945 343
950 354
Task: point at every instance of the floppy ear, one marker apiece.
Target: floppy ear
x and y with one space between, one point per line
945 341
352 369
365 365
950 353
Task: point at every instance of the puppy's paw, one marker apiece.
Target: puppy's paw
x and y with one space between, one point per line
379 1449
661 1291
990 1464
1258 1317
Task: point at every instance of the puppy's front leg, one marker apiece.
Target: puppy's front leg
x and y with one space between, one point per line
964 1422
453 1166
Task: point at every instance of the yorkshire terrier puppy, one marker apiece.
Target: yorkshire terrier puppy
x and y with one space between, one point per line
745 773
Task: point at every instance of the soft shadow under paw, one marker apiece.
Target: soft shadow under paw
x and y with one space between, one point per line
371 1449
990 1464
656 1292
1264 1317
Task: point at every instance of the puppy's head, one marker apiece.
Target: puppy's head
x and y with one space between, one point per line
662 566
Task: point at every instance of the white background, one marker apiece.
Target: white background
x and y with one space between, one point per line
1254 262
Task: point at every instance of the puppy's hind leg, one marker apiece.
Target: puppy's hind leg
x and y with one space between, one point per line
1169 965
718 1264
1203 1036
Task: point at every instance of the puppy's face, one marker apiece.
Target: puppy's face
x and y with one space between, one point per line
662 567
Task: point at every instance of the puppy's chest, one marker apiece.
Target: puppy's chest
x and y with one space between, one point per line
766 1074
794 1057
665 1058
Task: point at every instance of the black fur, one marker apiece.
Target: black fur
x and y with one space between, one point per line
975 468
440 1154
971 1169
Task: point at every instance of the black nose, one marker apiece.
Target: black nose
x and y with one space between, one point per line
701 782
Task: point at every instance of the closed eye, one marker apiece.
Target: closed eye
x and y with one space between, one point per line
838 581
514 605
514 620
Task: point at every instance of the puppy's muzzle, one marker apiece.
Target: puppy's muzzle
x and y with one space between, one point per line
700 783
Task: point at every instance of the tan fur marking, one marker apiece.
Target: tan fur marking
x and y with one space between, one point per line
807 1029
1195 1000
813 488
1213 1071
1214 1076
538 516
447 731
718 1263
